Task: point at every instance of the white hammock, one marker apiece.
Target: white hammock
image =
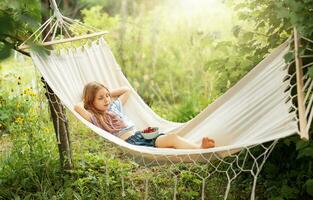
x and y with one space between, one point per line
256 110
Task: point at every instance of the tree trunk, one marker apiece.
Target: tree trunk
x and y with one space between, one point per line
57 110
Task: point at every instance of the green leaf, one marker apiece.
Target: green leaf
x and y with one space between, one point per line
247 36
307 152
5 51
6 23
302 51
283 13
277 198
301 144
236 30
309 187
310 72
29 19
289 192
289 56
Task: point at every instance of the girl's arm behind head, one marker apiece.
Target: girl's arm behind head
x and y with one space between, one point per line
122 93
79 108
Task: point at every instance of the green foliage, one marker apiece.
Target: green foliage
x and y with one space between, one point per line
5 50
178 67
17 21
12 108
310 72
103 19
288 170
30 164
309 187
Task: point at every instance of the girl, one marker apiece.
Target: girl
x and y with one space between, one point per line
103 108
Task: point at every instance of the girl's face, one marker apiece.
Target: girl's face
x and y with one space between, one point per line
102 100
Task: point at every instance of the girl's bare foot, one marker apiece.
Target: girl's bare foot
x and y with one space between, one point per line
211 140
207 143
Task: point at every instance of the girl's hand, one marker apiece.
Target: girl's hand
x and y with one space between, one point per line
82 111
122 93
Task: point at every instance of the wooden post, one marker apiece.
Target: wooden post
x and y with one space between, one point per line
56 109
300 92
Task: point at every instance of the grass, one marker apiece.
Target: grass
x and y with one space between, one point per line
5 145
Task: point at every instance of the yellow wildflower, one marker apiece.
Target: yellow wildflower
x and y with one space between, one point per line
19 120
29 91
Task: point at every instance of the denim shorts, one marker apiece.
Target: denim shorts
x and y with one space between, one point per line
138 139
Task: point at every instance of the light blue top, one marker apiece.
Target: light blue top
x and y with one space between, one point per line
117 108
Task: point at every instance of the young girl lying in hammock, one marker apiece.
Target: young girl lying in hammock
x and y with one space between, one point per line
103 108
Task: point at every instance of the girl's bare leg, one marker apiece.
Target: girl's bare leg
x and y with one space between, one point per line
174 141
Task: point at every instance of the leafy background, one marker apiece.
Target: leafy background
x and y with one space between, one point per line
171 54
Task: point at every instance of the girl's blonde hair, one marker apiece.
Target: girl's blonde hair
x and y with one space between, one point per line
108 121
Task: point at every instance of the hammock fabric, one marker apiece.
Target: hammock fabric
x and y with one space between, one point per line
255 110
